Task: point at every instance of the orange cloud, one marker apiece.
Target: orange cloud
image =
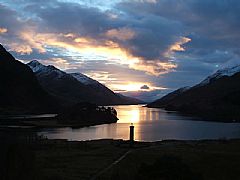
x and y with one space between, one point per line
20 48
154 67
105 48
59 62
30 40
3 30
102 76
177 46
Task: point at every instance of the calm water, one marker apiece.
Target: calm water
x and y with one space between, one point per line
151 124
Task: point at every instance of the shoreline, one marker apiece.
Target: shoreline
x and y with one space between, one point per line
202 116
45 122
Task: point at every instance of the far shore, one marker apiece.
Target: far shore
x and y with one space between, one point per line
39 122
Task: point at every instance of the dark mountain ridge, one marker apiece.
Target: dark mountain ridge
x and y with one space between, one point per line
76 87
20 90
215 98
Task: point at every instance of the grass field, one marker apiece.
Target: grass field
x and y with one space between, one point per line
115 159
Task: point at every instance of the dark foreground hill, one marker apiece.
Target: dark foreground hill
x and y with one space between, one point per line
216 98
21 94
19 88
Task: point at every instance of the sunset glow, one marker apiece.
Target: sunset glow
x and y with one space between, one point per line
134 86
123 44
129 87
3 30
134 116
119 89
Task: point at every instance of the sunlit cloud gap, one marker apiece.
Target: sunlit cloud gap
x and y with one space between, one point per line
88 47
153 45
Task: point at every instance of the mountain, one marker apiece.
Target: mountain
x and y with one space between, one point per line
72 88
216 98
130 100
20 91
169 97
86 80
229 71
101 89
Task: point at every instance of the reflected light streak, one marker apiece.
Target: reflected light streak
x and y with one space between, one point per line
134 116
128 114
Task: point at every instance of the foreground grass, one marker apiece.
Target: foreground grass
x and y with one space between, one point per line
218 160
75 160
168 160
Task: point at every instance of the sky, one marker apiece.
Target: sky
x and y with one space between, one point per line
140 48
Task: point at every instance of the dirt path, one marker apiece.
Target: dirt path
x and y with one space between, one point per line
111 165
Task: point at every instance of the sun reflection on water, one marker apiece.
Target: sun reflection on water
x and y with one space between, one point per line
150 124
129 115
134 116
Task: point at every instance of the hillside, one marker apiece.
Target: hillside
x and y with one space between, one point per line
72 88
217 97
20 91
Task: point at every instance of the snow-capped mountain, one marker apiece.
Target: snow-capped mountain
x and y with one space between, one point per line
36 66
84 79
229 71
216 98
41 69
72 88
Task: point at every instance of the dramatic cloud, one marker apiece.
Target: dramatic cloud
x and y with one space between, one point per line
120 34
211 25
158 43
136 41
